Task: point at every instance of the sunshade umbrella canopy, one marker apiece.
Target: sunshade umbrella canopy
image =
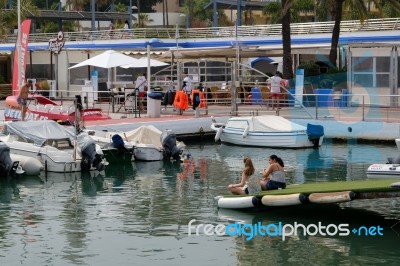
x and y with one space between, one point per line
108 59
142 62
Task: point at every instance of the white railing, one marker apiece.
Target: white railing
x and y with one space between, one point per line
385 24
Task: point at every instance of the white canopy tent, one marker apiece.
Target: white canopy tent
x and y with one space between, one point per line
108 59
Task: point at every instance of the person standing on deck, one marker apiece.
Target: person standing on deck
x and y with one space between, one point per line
275 82
188 87
141 85
23 97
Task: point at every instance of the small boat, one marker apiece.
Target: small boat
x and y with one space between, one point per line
390 169
115 149
148 143
383 170
53 145
268 131
40 107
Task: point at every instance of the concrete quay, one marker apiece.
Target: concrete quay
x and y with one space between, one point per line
339 123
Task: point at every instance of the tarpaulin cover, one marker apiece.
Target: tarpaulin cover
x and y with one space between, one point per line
38 132
265 123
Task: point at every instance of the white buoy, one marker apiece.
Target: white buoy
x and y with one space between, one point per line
30 165
237 202
331 197
218 134
282 200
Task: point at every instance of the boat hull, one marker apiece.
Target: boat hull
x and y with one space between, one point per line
52 159
144 152
298 139
383 171
45 109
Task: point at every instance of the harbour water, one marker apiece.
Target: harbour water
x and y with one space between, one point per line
138 214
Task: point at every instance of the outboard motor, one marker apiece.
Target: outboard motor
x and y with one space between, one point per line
118 143
90 157
394 160
168 141
7 167
314 133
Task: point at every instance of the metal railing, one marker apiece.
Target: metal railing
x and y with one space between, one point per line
385 24
343 107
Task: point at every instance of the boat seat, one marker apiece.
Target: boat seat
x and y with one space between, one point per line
41 108
56 109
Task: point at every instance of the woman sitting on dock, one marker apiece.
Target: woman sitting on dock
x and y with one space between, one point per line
249 183
274 175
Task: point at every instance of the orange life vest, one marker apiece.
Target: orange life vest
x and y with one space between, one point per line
181 100
203 102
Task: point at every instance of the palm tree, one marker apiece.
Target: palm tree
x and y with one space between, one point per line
360 8
76 5
286 12
286 40
9 19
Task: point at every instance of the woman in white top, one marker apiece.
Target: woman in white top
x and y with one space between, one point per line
249 184
274 175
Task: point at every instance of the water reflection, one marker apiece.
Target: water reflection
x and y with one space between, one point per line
142 209
316 249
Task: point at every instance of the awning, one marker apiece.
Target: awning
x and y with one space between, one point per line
214 52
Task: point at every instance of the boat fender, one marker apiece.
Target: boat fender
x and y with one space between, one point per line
246 131
283 200
237 202
332 197
218 135
30 165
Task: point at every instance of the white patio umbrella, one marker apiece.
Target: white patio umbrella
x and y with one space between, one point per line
142 62
108 59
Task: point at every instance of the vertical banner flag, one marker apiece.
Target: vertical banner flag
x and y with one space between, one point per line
20 60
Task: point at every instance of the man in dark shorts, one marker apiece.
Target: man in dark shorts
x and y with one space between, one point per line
22 98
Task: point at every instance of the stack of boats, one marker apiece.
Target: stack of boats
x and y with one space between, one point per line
56 148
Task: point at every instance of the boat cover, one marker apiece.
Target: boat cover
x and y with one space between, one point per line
146 134
265 123
38 131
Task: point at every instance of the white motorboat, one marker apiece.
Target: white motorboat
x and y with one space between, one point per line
268 131
148 143
52 145
387 170
383 171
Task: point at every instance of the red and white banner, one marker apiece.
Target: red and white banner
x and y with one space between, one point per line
21 65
